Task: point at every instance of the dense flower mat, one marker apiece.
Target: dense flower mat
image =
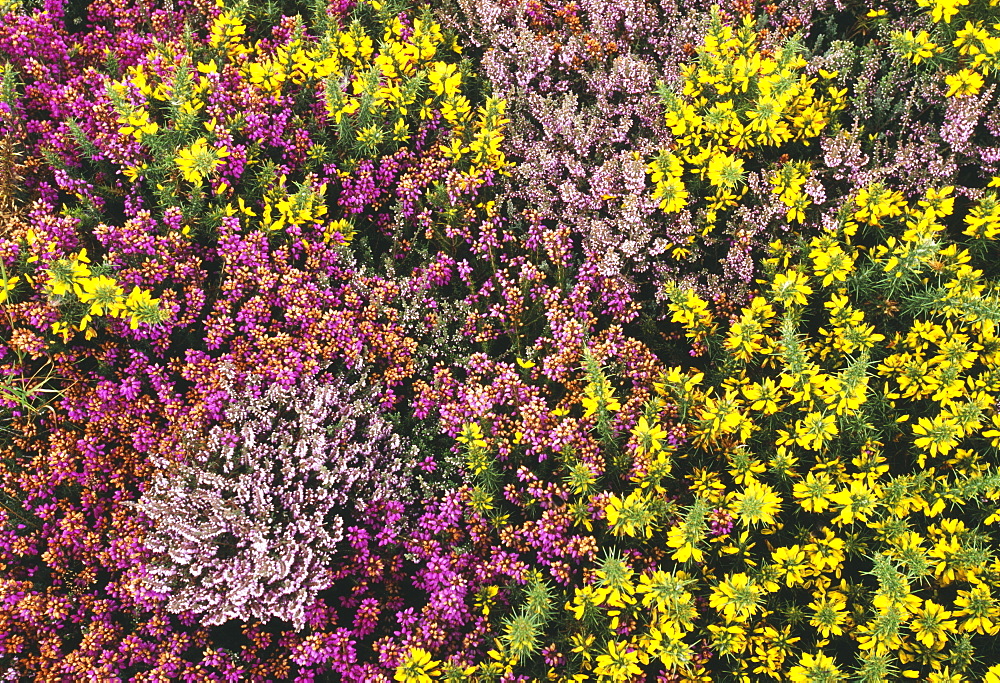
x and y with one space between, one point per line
499 340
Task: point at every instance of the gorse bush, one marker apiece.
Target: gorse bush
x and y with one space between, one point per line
794 510
741 104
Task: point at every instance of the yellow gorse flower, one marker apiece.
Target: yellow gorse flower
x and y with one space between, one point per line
814 430
472 436
791 564
857 502
65 273
915 47
227 32
138 124
418 667
938 435
725 171
791 288
307 205
685 537
105 295
736 598
599 396
7 285
978 611
757 503
931 624
629 515
877 202
586 601
444 79
943 10
764 396
813 668
649 436
142 308
964 83
832 264
199 160
619 663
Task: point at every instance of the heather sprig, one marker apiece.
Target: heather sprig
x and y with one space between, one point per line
246 524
